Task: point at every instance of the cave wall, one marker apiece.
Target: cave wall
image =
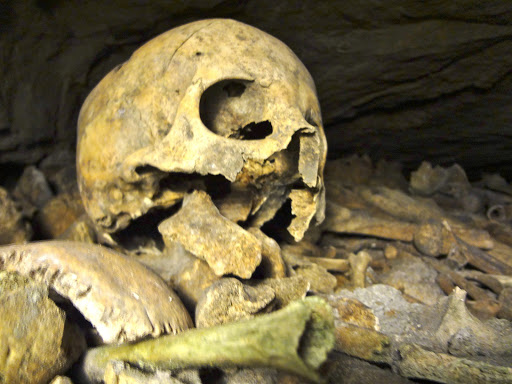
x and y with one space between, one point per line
398 79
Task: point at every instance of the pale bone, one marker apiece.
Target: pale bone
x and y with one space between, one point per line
358 264
177 108
202 230
122 299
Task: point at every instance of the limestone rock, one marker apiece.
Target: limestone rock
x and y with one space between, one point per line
35 342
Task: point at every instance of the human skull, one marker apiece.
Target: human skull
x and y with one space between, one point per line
214 105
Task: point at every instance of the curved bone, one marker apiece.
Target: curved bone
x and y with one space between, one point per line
122 299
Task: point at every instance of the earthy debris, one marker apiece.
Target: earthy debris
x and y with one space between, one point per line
121 298
36 343
198 219
13 229
229 300
295 339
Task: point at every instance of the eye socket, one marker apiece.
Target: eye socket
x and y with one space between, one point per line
253 131
233 109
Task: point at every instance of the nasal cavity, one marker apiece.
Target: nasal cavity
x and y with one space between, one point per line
253 131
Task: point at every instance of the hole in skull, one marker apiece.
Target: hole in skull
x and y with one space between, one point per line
253 131
235 109
217 186
142 233
277 227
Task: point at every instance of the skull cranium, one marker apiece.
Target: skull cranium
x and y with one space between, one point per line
214 105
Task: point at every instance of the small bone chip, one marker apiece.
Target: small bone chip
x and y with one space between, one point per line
121 298
203 231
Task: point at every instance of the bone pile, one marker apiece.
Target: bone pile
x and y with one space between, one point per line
202 216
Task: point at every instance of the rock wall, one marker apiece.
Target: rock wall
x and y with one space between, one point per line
397 79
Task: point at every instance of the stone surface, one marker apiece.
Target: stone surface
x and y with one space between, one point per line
13 229
121 298
35 342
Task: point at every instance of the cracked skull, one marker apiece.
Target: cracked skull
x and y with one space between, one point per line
214 106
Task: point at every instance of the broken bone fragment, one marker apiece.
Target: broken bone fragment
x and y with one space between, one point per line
203 231
229 300
358 265
295 339
121 298
182 271
304 208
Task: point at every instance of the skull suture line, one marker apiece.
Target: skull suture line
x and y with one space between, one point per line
214 105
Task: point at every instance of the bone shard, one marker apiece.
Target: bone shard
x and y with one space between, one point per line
203 231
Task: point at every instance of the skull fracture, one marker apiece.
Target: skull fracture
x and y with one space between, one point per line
215 107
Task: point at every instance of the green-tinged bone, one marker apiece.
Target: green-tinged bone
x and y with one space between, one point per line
295 339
